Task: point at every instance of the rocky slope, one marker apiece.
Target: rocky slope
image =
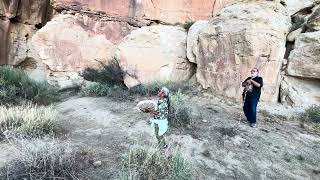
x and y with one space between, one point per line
55 40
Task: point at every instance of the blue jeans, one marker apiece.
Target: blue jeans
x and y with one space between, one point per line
250 110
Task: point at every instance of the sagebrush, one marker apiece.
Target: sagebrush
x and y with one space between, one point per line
16 86
45 159
152 163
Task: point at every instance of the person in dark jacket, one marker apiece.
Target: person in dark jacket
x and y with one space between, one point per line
251 95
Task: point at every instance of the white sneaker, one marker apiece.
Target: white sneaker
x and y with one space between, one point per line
253 125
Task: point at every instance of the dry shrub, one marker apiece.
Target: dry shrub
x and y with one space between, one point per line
44 159
151 163
28 120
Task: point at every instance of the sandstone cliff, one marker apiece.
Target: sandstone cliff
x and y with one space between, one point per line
55 40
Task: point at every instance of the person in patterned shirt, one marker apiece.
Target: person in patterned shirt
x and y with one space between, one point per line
160 117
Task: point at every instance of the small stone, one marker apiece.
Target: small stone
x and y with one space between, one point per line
97 163
204 121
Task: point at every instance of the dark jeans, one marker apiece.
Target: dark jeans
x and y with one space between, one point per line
250 110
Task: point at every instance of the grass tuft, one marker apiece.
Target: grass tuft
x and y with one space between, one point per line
44 159
28 120
151 163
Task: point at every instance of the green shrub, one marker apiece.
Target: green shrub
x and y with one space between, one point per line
313 113
28 120
188 24
179 113
44 159
151 163
153 88
15 86
110 74
96 89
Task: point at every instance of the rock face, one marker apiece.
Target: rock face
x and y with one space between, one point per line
192 39
304 60
155 53
299 92
161 10
29 12
294 6
231 44
301 85
69 44
19 20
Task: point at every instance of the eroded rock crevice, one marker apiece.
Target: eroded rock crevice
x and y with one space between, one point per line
300 84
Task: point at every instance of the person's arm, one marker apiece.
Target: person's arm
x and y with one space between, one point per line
247 81
257 83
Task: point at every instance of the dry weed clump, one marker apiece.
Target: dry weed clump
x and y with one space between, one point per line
44 159
151 163
28 120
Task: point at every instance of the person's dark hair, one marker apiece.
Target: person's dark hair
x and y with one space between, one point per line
256 69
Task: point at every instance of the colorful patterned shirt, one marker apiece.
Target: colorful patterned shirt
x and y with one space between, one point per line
163 109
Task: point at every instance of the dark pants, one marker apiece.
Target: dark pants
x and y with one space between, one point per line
250 110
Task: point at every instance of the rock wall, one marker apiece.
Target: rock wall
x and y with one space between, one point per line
243 36
155 53
167 11
301 82
280 37
19 20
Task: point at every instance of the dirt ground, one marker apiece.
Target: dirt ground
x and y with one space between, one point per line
219 142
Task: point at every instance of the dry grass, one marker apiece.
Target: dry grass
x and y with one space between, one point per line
44 159
152 163
28 120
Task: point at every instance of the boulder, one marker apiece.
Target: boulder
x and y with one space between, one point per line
243 36
192 39
155 53
71 43
64 45
304 59
299 92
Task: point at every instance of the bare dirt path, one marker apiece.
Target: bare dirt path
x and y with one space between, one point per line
218 145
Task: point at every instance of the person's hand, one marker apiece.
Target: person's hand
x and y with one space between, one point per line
155 112
147 110
249 81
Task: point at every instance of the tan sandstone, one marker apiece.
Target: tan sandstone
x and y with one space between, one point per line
304 59
162 10
243 36
155 53
69 44
299 92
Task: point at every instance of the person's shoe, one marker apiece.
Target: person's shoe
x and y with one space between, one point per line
253 125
